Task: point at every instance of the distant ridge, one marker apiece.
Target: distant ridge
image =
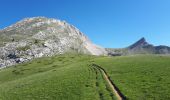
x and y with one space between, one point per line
140 47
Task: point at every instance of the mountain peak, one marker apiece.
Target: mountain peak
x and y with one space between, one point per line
38 19
29 23
143 39
34 18
141 42
40 36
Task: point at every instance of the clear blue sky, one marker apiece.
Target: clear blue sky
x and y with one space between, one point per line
109 23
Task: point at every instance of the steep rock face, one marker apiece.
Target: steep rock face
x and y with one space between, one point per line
39 36
141 47
140 43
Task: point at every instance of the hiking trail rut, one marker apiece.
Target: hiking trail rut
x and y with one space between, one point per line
113 87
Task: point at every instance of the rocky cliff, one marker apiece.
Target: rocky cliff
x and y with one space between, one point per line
39 36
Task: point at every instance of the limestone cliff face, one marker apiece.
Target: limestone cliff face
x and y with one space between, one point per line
39 36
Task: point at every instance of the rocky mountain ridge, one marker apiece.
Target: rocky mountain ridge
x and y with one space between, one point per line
140 47
40 36
143 47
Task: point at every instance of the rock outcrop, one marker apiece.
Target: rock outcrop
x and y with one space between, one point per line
39 36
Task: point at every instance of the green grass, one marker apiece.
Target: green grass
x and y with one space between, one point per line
64 77
73 77
139 77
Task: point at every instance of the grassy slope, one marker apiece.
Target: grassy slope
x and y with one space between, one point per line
139 77
65 77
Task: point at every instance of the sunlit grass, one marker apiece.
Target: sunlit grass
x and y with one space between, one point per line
139 77
64 77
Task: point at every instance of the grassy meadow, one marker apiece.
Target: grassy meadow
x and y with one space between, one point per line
141 77
73 77
64 77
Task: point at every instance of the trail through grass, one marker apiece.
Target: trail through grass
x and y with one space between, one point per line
139 77
64 77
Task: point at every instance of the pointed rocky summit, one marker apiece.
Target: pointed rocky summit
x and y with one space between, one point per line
139 43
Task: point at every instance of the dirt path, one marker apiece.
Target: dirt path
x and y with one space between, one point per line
115 90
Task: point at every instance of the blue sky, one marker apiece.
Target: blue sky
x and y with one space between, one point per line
109 23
